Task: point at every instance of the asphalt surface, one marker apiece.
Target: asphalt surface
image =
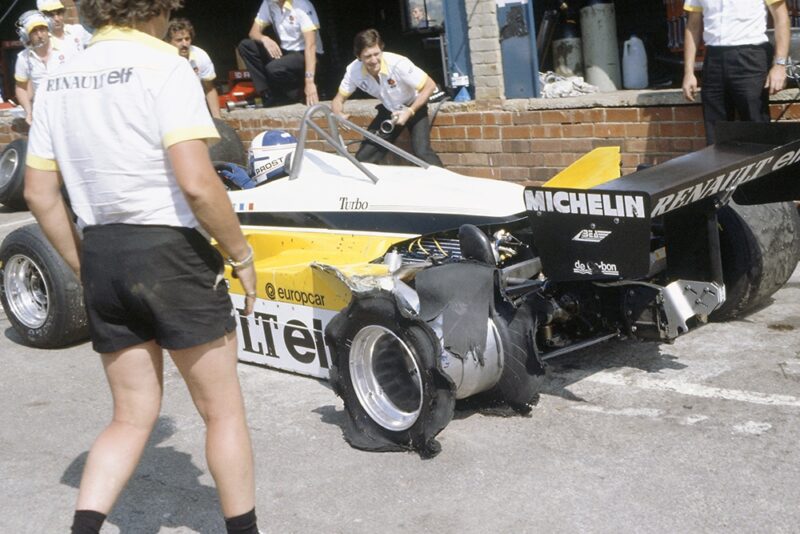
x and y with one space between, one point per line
698 436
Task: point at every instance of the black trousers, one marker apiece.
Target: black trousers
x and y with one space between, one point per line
419 127
283 78
733 84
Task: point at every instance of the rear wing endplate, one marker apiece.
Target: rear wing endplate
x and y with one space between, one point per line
604 232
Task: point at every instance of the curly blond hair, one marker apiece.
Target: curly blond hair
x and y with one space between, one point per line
99 13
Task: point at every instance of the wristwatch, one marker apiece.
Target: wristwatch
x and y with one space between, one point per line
782 61
309 75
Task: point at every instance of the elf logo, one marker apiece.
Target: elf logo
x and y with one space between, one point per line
591 236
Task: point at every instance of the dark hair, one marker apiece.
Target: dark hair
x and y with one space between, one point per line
179 25
366 39
99 13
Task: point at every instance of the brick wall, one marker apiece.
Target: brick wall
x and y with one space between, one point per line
523 145
531 145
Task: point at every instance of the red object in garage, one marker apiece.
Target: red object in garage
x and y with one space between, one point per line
241 90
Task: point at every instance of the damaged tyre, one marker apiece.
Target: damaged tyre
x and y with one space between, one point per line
760 248
385 369
523 372
41 296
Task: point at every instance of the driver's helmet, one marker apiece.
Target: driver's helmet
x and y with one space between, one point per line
268 152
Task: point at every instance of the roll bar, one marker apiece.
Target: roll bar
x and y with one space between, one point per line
336 142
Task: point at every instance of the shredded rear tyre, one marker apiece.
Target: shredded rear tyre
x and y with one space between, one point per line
523 373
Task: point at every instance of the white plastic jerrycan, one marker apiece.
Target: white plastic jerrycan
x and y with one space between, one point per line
634 64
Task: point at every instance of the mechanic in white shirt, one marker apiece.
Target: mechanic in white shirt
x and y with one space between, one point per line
123 126
740 70
180 34
403 89
284 72
40 56
69 36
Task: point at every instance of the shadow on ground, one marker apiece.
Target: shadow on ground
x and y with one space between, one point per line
165 490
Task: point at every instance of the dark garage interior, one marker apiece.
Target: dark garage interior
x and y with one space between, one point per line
221 25
218 33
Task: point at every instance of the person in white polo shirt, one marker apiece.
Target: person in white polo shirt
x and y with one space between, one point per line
180 34
40 56
72 36
284 72
141 184
403 89
740 70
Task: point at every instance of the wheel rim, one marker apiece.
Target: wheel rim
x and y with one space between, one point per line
26 291
8 166
386 378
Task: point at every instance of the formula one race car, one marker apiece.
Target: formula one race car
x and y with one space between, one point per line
410 287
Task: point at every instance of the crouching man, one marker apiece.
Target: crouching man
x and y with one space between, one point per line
403 89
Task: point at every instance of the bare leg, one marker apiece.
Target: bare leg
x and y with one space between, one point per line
210 374
135 377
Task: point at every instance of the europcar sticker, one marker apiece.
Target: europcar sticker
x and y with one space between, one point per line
284 336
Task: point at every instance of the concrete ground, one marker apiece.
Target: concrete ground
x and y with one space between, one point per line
697 436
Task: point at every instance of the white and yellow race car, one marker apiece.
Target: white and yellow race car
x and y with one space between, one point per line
411 286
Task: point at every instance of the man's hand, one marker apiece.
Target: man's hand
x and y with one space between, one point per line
403 116
776 79
311 92
689 87
247 277
272 47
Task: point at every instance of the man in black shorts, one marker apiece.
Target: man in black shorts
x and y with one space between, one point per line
151 280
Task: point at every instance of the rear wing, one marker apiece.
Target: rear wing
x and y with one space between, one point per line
604 232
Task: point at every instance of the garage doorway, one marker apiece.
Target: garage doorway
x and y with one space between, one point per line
220 27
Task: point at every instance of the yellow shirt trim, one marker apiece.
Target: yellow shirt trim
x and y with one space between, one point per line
696 9
422 83
116 33
384 68
188 134
41 164
20 79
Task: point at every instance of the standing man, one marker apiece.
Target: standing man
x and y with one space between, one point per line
285 71
403 89
40 56
180 34
69 36
141 185
739 70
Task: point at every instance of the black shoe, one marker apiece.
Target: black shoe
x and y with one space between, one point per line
271 101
